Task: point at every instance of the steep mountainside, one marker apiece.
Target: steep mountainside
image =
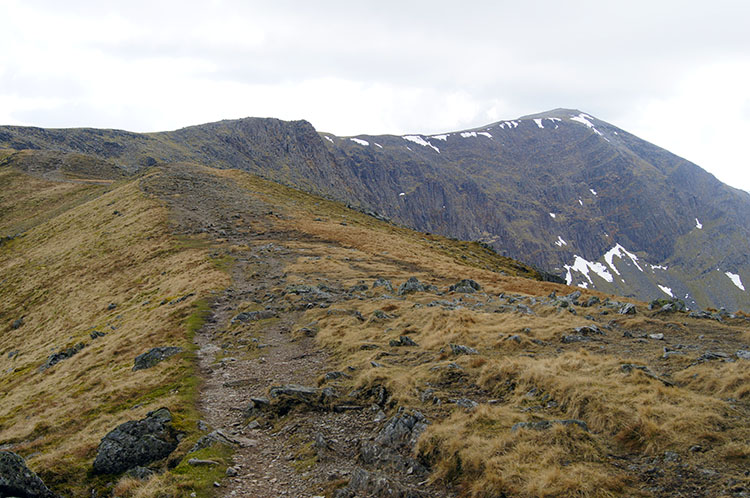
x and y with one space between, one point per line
199 332
561 190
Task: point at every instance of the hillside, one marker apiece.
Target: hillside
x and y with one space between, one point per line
336 353
560 190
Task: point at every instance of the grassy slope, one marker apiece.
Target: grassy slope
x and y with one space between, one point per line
630 415
61 277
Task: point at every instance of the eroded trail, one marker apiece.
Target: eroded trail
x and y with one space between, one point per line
252 343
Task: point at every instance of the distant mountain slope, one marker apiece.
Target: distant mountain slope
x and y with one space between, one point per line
561 190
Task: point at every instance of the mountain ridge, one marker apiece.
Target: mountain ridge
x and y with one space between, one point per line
546 188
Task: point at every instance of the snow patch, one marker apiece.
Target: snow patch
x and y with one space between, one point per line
560 242
698 224
584 285
420 141
468 134
509 124
584 119
484 133
328 138
735 280
360 142
553 215
538 122
444 138
666 290
580 202
592 191
659 267
378 145
402 194
620 252
584 267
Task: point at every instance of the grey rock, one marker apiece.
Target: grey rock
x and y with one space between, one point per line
137 443
111 306
569 339
140 473
17 323
546 424
466 286
381 282
65 354
402 341
95 334
414 285
588 330
459 349
154 356
17 480
627 309
199 462
252 316
743 355
671 456
370 484
466 403
232 472
215 437
713 355
592 301
334 375
656 337
12 354
381 315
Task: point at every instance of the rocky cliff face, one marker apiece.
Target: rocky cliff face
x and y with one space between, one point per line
561 190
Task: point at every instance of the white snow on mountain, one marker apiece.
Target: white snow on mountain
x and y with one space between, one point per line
666 290
620 252
735 279
583 266
420 141
360 142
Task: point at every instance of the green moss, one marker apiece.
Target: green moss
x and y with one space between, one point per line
199 479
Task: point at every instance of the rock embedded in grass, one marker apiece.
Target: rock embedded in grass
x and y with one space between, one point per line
56 358
459 349
466 286
137 443
16 479
154 356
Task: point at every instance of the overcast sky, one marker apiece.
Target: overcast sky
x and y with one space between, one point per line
676 73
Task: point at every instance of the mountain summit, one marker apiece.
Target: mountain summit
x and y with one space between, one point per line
562 190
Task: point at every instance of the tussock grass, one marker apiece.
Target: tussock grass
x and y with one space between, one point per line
61 278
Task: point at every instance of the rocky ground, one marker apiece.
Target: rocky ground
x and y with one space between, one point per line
307 441
263 368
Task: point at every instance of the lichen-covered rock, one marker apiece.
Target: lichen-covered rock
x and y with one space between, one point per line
414 285
137 443
364 483
459 349
382 282
17 480
466 286
154 356
66 353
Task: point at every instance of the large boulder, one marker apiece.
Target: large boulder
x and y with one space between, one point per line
17 480
137 443
153 356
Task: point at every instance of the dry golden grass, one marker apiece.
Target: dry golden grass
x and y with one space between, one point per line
27 200
61 277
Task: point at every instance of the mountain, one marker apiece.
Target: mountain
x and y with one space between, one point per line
195 331
561 190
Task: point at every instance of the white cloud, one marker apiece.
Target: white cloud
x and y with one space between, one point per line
673 72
